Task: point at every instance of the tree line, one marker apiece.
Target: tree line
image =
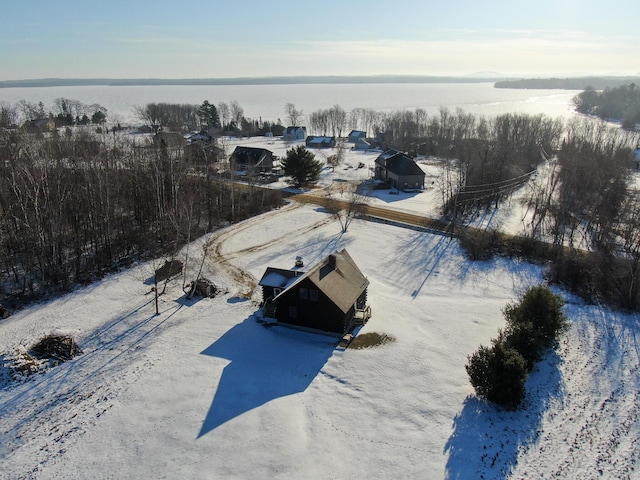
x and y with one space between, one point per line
76 205
620 103
573 83
580 214
65 112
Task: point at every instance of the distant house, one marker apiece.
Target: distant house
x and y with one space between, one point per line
320 142
201 137
252 159
331 296
294 133
356 135
362 145
399 170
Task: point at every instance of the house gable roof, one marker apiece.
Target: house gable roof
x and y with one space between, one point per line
398 163
294 129
251 155
337 276
319 140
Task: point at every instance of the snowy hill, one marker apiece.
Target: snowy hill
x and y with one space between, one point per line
205 391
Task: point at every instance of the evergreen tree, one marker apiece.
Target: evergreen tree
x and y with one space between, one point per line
301 165
208 114
539 312
498 374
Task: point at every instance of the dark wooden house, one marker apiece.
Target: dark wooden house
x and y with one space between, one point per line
331 296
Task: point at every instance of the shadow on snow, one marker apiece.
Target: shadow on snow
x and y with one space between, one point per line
486 441
265 364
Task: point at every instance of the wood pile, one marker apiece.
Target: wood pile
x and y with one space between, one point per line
202 288
56 347
169 269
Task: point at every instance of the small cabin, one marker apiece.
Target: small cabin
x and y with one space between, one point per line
331 296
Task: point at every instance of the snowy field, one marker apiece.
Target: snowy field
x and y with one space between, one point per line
204 391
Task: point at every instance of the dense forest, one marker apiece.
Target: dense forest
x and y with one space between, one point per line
620 104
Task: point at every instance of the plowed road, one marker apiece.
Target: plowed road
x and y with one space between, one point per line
377 212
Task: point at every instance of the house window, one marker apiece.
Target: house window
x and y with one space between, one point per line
304 294
313 295
293 312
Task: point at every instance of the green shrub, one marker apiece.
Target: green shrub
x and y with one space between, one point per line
539 314
498 374
523 339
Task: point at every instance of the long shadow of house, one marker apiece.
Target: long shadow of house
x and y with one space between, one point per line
265 364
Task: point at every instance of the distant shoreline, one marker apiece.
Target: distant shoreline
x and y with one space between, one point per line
576 83
571 83
294 80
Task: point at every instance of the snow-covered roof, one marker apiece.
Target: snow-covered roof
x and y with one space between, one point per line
318 139
279 278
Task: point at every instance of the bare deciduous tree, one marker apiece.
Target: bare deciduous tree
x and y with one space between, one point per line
236 112
344 209
293 114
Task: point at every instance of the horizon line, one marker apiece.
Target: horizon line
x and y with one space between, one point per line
284 80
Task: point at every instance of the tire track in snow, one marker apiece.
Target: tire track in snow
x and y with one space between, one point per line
222 257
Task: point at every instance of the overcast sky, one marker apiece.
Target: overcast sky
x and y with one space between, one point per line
226 39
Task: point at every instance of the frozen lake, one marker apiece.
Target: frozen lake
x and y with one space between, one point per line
267 102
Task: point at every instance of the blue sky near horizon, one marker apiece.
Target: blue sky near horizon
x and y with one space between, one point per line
200 39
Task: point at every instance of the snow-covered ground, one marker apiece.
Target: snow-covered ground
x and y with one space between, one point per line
204 391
